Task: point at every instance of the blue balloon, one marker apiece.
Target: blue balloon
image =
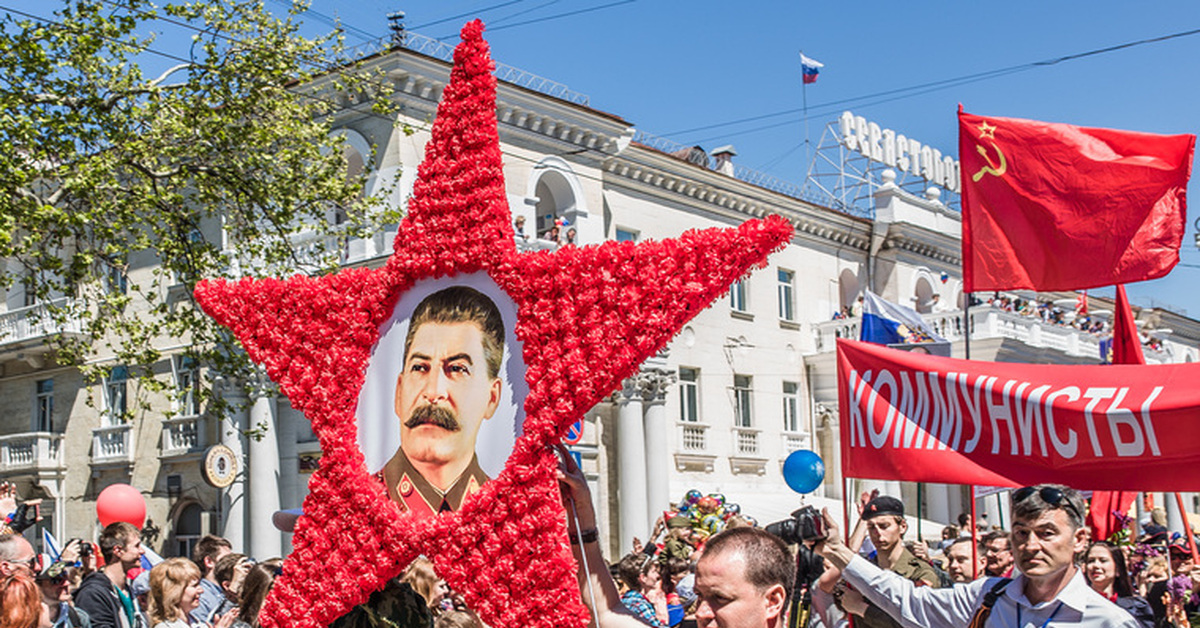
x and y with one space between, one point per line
803 471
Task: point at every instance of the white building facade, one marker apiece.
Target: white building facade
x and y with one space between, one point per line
743 385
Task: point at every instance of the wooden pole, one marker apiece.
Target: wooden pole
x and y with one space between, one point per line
1187 528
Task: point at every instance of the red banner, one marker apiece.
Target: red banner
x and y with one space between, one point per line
1060 207
920 418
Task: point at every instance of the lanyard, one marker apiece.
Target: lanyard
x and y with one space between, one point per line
1048 619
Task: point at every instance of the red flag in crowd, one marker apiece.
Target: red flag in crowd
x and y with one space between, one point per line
1126 345
1126 349
1060 207
1101 515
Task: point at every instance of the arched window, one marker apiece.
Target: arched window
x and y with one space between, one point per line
188 529
555 200
924 296
848 288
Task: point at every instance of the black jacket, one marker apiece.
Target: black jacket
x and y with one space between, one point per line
98 598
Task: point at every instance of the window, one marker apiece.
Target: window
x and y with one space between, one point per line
689 399
43 406
187 386
115 401
787 288
626 235
188 528
743 415
117 282
738 293
791 407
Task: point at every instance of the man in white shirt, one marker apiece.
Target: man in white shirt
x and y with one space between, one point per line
1049 589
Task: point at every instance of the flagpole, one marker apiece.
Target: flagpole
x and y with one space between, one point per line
804 98
967 326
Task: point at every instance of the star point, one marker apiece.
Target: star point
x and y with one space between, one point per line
587 316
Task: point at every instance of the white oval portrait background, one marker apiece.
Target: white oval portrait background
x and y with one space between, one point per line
375 415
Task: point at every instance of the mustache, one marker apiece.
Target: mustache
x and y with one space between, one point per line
433 415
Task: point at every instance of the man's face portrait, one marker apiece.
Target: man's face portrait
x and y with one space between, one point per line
441 404
444 394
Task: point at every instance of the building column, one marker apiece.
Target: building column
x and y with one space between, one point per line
232 499
938 499
631 458
1175 519
655 384
263 472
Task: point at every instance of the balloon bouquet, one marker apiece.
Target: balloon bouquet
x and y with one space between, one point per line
709 514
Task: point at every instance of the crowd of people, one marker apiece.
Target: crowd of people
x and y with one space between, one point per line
1043 571
558 234
106 584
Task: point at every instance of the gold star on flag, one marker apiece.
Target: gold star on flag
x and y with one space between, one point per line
986 130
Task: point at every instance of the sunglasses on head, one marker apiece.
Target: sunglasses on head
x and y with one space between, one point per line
1052 496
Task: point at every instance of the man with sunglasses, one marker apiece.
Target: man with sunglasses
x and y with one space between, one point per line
17 555
56 596
1048 590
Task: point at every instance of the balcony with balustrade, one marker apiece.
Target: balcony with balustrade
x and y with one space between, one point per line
747 456
993 324
183 437
112 445
693 452
24 331
36 453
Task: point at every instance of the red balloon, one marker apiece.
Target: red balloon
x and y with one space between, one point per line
121 502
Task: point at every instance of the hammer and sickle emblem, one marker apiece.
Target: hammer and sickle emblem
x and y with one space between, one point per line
991 168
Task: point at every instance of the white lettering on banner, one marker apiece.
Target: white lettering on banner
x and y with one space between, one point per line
1002 412
1149 425
1030 418
930 410
897 151
1068 448
1118 417
1094 397
973 407
878 438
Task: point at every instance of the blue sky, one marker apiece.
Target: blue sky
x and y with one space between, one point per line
685 70
670 67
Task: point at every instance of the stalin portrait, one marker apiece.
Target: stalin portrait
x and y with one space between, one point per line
449 384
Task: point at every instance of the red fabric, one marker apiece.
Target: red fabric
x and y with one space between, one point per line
1126 345
587 317
921 418
1060 207
1101 515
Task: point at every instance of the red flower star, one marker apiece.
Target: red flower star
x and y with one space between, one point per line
587 317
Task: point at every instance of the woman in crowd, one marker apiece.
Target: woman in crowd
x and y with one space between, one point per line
175 593
421 577
21 603
258 583
1104 567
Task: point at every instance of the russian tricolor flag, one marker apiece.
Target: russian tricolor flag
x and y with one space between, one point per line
811 68
887 323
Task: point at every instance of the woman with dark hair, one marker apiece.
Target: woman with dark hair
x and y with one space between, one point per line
255 588
1104 567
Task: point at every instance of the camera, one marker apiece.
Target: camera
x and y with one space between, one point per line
85 549
806 524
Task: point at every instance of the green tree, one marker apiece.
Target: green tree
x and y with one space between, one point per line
131 169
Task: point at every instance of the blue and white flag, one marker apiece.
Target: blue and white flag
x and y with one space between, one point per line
51 546
150 558
887 323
